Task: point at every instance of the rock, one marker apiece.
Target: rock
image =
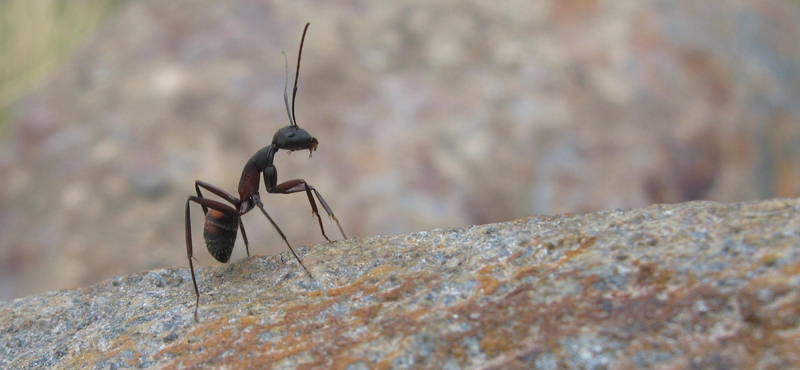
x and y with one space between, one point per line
701 284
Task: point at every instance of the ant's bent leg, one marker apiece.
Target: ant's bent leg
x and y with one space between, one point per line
216 190
295 186
189 253
329 211
298 185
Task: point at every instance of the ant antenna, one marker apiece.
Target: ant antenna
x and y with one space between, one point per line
297 74
285 88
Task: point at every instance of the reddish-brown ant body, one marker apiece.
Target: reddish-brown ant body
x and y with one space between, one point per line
223 221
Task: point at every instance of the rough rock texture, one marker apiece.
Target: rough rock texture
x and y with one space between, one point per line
430 114
701 285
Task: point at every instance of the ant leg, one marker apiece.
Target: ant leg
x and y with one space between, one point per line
261 207
294 186
244 236
329 211
189 255
298 185
204 203
216 190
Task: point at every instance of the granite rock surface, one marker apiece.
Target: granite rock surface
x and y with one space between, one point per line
693 285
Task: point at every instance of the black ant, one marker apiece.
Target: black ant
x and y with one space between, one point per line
222 220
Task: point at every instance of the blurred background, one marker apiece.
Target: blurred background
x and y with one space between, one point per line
429 114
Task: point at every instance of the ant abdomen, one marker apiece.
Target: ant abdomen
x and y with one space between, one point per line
220 234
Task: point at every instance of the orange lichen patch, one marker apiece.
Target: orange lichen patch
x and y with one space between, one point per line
569 254
342 362
418 313
791 269
386 363
517 254
359 284
304 311
648 274
456 351
589 281
382 270
490 268
487 284
248 321
366 313
770 259
351 289
496 342
587 242
396 293
526 270
93 357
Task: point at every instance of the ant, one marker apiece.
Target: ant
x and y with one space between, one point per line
222 220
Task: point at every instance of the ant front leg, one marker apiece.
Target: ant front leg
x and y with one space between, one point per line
298 185
205 203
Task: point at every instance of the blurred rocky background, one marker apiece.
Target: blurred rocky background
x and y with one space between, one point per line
429 114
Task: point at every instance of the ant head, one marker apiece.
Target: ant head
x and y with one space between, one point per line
293 138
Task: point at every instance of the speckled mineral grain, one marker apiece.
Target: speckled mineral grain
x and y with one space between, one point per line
701 285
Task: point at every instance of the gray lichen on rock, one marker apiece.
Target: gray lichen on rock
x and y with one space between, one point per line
698 284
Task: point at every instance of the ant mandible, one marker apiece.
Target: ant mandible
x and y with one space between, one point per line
222 220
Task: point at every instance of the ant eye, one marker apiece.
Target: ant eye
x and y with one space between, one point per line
290 134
